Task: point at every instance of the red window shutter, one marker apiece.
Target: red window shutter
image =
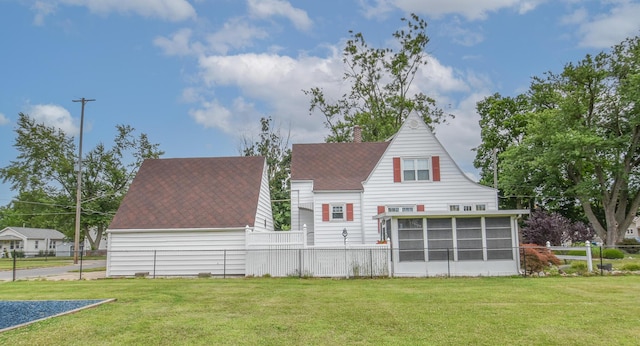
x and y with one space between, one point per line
349 211
380 209
420 207
325 212
397 173
435 162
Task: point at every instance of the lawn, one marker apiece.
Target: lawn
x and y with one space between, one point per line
35 262
265 311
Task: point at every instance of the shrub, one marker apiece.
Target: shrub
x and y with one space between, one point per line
632 267
579 267
630 245
536 258
577 253
612 253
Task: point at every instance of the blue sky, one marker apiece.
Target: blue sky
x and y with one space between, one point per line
198 75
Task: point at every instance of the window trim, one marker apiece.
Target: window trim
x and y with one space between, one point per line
338 205
415 169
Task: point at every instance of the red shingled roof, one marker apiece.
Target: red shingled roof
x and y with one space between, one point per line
335 166
192 193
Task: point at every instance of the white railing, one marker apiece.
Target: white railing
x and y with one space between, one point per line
587 257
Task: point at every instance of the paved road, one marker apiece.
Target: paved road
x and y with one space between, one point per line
43 272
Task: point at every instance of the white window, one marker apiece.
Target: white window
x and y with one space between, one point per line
454 207
467 208
52 244
36 244
337 212
481 207
416 169
400 208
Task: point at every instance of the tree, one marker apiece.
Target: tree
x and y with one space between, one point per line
584 145
502 124
382 92
275 148
44 175
542 227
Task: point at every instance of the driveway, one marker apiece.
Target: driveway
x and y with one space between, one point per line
57 273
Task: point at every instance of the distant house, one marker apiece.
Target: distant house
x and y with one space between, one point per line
408 191
632 231
190 215
31 241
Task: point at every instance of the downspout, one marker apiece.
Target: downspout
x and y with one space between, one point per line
362 230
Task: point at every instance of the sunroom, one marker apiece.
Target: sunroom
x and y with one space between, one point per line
458 243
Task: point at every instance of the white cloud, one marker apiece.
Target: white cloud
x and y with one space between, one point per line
472 10
237 33
53 115
269 8
273 84
178 43
608 29
171 10
212 115
42 10
578 16
3 119
461 35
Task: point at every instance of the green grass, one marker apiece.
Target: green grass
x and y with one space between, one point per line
41 262
35 262
460 311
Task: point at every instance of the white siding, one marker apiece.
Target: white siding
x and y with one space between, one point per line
163 253
264 215
454 186
329 233
301 193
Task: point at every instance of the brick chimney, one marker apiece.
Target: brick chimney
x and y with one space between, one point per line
357 134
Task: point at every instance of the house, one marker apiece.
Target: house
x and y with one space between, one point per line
409 191
632 231
187 216
31 241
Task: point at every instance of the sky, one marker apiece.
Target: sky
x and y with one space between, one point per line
196 76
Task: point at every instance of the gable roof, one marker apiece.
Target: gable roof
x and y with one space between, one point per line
36 233
219 192
335 166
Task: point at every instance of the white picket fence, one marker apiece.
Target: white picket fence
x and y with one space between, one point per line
280 254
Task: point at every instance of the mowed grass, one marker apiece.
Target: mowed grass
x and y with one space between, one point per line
35 262
266 311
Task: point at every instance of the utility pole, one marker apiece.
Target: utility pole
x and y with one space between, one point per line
76 243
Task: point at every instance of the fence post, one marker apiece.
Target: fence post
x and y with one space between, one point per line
524 258
371 261
601 265
81 253
154 262
14 264
300 262
589 260
448 265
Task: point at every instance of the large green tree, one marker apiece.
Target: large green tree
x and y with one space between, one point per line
582 143
44 175
502 122
382 93
274 146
